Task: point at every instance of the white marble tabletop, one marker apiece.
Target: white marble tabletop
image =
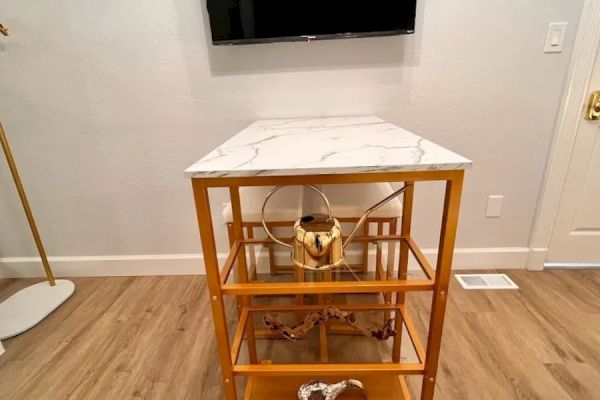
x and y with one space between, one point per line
308 146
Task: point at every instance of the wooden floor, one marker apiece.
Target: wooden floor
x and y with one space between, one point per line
152 338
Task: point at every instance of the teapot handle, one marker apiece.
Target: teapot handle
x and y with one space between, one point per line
275 189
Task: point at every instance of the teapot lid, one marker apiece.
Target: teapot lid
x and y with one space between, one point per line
317 223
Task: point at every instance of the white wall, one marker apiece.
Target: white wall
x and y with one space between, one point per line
106 102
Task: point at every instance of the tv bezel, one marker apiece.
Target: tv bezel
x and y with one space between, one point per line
309 38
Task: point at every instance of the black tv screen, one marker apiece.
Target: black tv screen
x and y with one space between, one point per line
256 21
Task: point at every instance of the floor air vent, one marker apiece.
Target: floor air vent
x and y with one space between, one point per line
485 281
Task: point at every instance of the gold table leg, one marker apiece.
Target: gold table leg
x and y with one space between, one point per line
242 269
407 203
212 277
442 279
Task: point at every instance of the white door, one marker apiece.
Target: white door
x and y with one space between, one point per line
576 234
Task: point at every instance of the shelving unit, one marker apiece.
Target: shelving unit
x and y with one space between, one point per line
383 380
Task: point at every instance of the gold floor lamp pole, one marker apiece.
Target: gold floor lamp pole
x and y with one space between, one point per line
32 225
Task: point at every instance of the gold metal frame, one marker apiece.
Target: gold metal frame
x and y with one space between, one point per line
437 281
25 203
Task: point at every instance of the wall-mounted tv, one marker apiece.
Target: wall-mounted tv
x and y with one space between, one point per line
259 21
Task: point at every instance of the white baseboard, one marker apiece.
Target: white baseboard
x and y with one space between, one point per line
486 257
193 264
132 265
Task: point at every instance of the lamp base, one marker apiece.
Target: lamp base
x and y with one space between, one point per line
28 307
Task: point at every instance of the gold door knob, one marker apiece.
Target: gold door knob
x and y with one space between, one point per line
593 110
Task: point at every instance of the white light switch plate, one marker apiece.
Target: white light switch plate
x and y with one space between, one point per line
494 206
555 37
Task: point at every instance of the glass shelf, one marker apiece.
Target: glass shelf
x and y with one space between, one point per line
251 258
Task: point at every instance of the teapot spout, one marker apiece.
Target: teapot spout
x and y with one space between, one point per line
374 207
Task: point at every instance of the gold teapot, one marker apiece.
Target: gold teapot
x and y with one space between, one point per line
318 244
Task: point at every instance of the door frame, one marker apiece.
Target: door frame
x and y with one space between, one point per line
575 95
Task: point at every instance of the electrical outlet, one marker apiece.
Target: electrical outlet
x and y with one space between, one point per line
494 206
